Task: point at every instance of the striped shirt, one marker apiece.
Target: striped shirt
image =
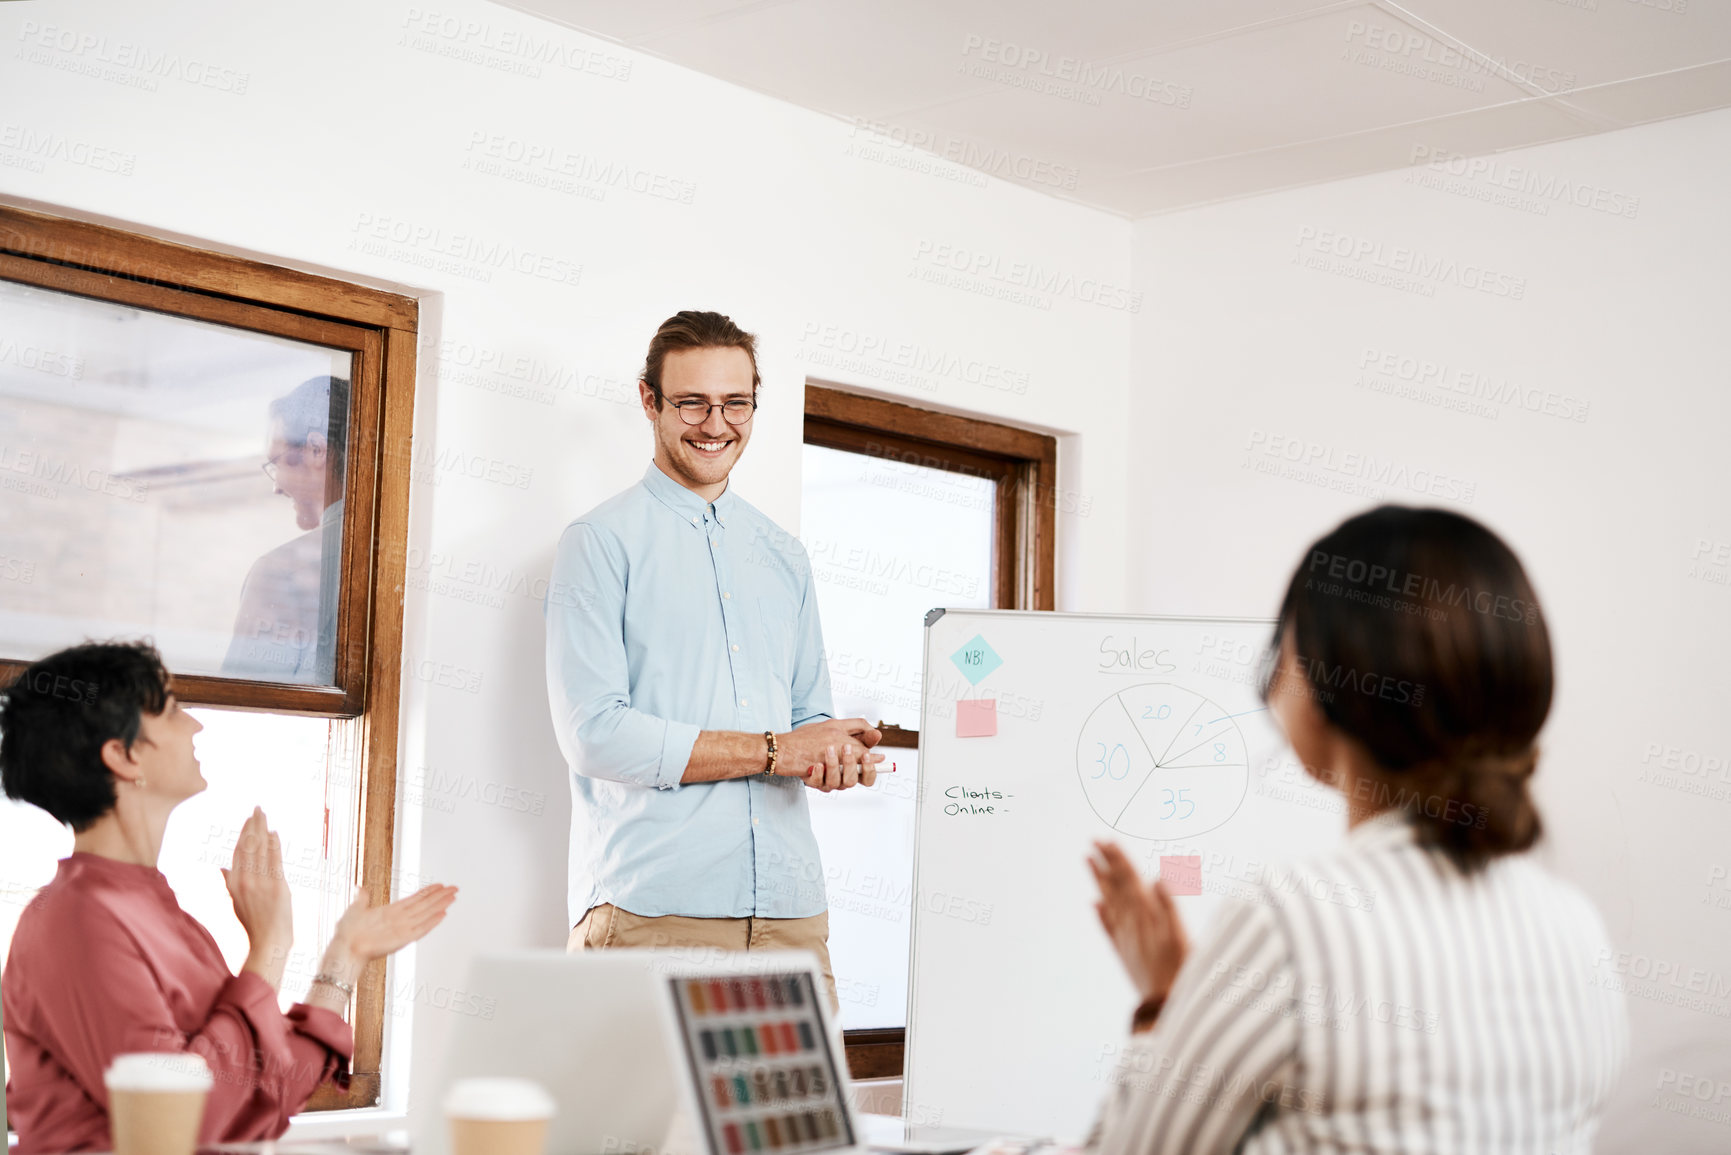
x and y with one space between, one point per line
1377 999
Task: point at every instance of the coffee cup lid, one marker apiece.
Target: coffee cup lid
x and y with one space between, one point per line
499 1099
158 1071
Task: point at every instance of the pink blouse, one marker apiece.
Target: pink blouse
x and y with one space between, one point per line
104 962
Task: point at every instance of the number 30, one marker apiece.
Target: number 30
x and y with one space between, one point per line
1107 761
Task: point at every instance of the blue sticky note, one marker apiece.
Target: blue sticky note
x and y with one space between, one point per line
976 659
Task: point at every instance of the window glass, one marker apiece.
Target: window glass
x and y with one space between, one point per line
173 478
888 541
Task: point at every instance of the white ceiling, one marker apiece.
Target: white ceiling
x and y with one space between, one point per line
1248 96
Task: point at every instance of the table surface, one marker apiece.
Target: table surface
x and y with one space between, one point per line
878 1128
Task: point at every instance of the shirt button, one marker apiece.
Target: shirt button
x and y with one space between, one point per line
754 822
725 594
694 521
742 701
736 649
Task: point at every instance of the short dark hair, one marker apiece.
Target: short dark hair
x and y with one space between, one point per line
1420 636
692 329
56 716
318 405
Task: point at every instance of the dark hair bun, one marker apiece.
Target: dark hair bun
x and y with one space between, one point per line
1420 637
1492 812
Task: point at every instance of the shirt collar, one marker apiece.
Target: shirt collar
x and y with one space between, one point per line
682 501
1387 828
111 870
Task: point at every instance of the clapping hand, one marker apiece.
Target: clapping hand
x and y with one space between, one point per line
1141 921
260 893
366 932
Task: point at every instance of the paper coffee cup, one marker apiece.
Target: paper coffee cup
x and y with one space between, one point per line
156 1102
497 1116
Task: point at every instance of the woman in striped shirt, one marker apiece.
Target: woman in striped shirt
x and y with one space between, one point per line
1427 986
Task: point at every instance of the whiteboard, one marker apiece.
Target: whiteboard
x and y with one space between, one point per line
1148 730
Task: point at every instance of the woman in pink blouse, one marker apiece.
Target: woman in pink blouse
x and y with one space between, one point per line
104 962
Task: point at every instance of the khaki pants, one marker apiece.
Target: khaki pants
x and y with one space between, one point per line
607 926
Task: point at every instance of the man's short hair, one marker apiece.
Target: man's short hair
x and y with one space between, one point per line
56 716
317 406
691 329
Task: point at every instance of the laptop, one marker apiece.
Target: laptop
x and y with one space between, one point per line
669 1052
762 1070
587 1027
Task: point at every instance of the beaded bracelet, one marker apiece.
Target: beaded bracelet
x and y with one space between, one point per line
327 979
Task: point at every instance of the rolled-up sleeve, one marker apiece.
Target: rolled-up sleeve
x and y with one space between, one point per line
588 676
811 692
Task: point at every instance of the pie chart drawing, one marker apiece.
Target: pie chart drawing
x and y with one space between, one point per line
1161 762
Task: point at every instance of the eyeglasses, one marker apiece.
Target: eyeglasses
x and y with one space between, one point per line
695 410
270 466
291 455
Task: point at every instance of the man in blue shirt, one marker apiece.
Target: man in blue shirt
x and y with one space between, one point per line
686 675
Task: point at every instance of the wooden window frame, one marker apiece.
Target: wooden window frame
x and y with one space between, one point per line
380 329
1023 465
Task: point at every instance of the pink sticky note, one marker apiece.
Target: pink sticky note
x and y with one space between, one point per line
1182 872
977 718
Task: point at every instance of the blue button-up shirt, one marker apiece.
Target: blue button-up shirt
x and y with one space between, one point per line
668 615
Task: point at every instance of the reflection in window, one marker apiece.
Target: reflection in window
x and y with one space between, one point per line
888 540
170 478
286 630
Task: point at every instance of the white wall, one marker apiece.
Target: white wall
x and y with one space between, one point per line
338 137
1240 342
354 118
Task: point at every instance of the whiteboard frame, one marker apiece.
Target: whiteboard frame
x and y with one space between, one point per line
933 616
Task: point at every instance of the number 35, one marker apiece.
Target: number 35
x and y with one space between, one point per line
1172 800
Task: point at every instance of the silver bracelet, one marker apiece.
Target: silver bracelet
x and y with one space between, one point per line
327 979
